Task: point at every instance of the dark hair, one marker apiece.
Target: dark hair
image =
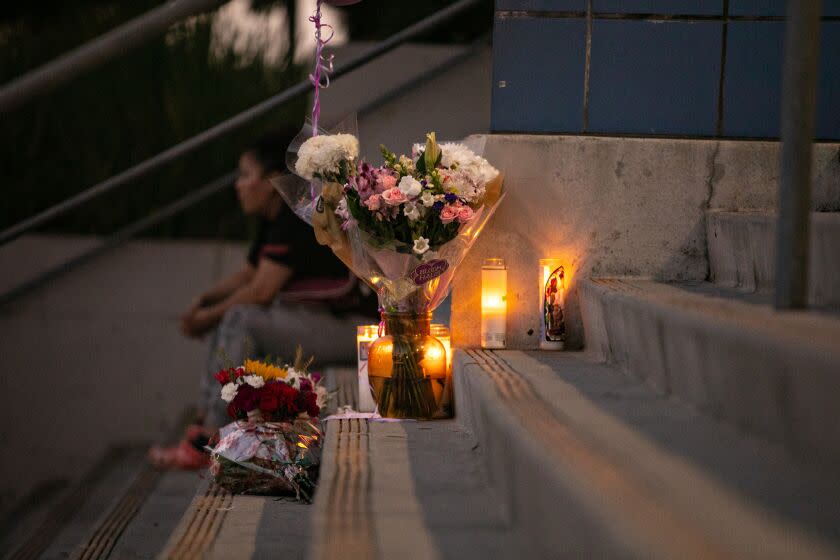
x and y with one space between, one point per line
270 149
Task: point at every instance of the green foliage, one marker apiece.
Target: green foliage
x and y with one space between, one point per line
147 100
123 112
388 156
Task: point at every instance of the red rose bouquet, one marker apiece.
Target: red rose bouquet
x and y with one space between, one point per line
274 444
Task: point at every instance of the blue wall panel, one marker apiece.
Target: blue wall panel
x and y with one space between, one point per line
542 5
774 7
753 78
753 91
540 63
828 92
654 78
686 7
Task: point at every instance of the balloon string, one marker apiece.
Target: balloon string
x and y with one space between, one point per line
320 77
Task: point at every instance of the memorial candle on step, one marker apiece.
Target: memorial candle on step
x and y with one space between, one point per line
365 334
493 303
552 290
441 332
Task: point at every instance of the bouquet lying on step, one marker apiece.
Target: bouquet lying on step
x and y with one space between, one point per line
274 444
403 227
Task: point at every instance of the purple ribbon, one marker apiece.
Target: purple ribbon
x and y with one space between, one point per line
320 78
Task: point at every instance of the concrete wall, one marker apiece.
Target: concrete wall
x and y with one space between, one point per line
613 206
454 100
95 358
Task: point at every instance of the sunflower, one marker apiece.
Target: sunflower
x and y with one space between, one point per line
264 370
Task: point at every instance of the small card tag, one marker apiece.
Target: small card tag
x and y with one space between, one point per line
428 271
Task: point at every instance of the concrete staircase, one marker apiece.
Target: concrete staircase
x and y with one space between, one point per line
741 256
592 463
698 423
552 455
386 490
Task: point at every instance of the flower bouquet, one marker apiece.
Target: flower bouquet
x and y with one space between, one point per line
403 227
274 444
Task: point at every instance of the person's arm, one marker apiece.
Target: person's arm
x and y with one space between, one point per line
268 279
226 286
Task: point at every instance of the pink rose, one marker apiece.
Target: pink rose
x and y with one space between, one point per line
465 214
448 214
387 182
393 197
374 202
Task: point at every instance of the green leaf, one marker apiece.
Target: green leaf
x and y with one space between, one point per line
420 166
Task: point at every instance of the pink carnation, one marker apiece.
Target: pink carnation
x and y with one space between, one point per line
394 197
449 214
386 182
465 214
374 203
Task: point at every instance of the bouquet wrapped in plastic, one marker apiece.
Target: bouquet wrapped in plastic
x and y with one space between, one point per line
274 445
403 227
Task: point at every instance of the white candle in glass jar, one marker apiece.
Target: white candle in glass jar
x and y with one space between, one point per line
365 335
493 303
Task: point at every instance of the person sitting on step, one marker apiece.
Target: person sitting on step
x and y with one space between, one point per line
291 291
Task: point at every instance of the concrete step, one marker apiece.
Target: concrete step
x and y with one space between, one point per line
84 520
768 372
386 489
592 463
742 252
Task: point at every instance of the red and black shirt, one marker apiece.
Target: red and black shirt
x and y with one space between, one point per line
318 276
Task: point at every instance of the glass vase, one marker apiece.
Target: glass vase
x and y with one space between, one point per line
407 367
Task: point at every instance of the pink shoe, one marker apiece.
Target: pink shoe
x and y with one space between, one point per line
187 455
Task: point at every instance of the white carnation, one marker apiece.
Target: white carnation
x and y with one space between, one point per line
229 392
293 377
254 381
322 155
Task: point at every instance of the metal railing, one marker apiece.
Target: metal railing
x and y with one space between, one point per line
799 94
125 234
113 43
120 237
420 28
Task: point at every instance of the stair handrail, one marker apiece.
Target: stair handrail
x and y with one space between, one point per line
121 236
799 109
383 47
189 200
96 51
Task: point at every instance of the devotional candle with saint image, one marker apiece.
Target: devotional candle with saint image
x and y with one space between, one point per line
552 279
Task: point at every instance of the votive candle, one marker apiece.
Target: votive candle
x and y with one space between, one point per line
365 335
493 303
552 289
